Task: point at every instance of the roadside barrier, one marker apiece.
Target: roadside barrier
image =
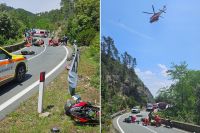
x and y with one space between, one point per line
185 126
15 47
73 76
118 113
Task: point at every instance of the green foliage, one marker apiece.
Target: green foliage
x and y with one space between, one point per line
120 86
82 20
183 94
11 29
13 22
85 37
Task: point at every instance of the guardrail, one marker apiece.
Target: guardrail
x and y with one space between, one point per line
185 126
14 47
73 76
118 113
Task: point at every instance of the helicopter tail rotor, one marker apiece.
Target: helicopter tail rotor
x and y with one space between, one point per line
153 9
148 12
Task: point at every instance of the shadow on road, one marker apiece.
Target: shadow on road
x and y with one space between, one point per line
10 85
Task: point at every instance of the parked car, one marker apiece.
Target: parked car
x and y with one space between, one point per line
135 109
12 67
162 106
149 107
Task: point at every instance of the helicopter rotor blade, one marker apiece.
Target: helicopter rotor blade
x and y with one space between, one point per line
161 16
153 9
147 12
162 11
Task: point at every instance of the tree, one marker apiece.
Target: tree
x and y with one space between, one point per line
197 109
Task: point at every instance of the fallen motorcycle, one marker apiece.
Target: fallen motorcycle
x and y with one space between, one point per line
27 52
168 123
82 112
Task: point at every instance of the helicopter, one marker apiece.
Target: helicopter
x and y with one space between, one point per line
156 15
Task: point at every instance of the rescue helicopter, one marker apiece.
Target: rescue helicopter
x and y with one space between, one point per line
156 15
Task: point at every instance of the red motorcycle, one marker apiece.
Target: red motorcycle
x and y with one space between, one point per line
82 112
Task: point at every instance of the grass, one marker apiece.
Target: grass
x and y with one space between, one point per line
26 119
12 42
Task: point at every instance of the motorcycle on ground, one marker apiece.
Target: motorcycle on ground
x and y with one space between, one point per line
82 112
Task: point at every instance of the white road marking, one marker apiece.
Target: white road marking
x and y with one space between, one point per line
20 94
38 54
119 125
139 124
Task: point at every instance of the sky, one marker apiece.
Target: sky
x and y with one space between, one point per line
174 38
34 6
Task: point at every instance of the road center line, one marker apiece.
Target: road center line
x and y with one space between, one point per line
26 90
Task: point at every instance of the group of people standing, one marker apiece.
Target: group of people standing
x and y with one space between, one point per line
156 118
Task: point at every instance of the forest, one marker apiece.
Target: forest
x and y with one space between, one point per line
78 19
183 95
121 88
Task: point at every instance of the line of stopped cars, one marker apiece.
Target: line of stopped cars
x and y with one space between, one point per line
152 118
35 37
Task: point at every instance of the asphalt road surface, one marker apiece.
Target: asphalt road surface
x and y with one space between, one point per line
51 60
139 128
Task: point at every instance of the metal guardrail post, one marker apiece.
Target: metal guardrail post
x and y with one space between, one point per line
73 76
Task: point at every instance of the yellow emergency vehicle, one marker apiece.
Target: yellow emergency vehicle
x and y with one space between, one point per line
12 67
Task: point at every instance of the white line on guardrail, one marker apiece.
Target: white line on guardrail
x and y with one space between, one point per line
26 90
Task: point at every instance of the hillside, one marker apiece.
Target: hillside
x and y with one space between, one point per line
121 88
79 20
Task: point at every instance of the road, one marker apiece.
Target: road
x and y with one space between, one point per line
52 60
139 128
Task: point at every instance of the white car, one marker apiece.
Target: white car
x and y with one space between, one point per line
135 109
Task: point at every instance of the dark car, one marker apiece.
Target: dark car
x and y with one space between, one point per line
149 107
128 119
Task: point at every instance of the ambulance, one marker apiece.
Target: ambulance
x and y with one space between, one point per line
12 67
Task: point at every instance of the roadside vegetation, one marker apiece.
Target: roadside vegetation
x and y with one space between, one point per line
120 86
78 19
26 119
14 23
183 94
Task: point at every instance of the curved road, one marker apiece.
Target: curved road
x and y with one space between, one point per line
52 60
139 128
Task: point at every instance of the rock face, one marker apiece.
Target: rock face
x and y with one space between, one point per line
120 82
132 86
